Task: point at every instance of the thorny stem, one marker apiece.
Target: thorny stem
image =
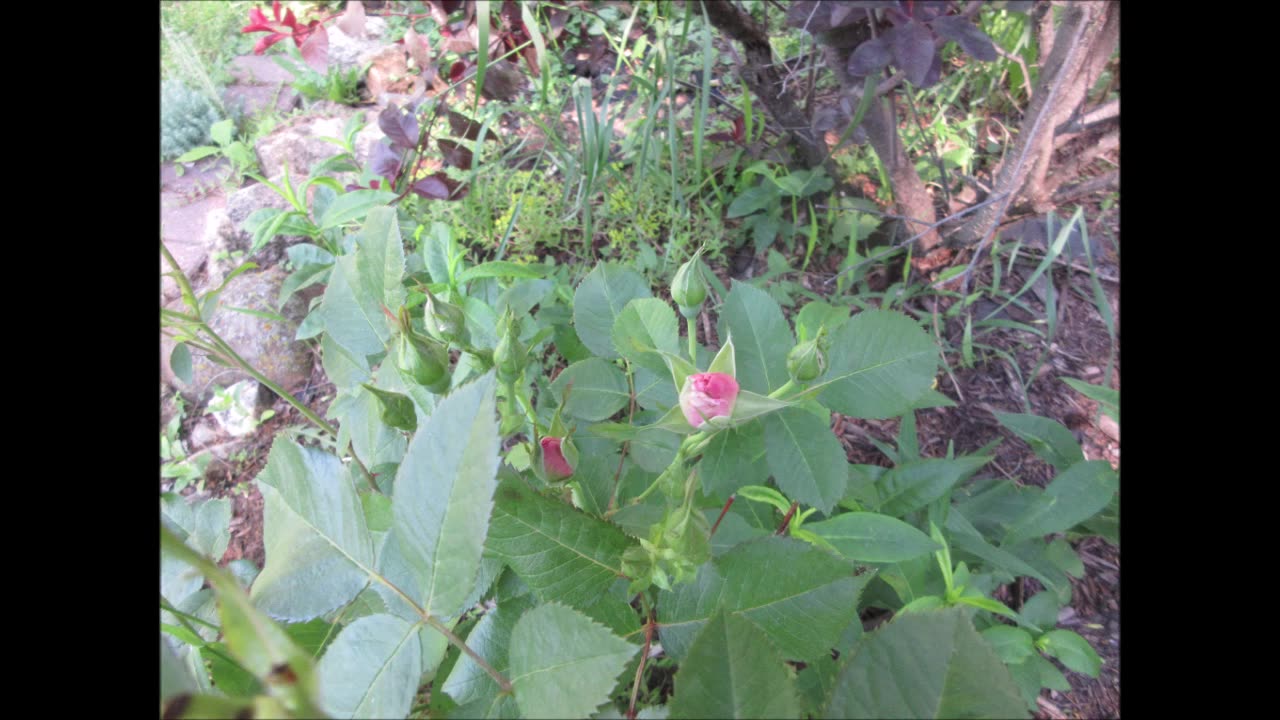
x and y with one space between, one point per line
723 511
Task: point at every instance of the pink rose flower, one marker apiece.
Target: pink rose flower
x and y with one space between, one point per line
554 463
706 396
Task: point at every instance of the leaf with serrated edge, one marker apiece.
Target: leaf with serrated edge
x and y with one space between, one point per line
869 537
805 458
643 326
772 582
599 299
761 337
444 495
930 664
562 553
490 638
564 664
881 362
372 669
732 670
319 552
599 389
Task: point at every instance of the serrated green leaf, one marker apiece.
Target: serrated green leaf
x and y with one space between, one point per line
599 299
1047 437
1072 497
643 326
815 683
911 486
963 536
467 683
654 391
180 362
444 496
563 664
364 282
761 337
873 538
562 553
1012 644
771 582
733 459
732 670
881 362
599 389
924 665
1074 651
371 669
319 552
816 314
1107 397
805 458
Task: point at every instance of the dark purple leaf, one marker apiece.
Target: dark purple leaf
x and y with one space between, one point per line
385 161
1019 6
967 35
926 10
913 50
455 154
439 187
870 57
820 17
464 127
399 126
934 72
840 12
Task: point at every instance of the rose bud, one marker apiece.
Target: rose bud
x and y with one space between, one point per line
688 288
555 466
706 396
806 361
444 320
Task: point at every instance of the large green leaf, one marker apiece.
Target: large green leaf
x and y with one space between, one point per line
319 552
362 283
868 537
371 669
805 458
732 670
880 363
468 684
204 527
1074 651
360 418
599 389
562 553
924 665
816 314
802 597
733 459
563 664
645 325
444 495
965 537
1073 497
1048 438
761 337
600 298
910 486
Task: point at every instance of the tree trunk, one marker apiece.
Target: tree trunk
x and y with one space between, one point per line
1081 47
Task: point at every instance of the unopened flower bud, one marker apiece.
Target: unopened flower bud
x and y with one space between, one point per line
807 361
688 288
423 360
706 396
509 357
555 465
443 319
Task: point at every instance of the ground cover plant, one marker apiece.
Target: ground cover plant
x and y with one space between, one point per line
572 470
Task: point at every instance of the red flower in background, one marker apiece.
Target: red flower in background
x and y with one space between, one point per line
279 30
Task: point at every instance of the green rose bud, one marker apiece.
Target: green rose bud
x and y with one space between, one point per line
424 361
509 357
687 287
808 360
444 320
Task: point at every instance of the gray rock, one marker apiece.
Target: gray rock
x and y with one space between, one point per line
299 146
348 52
267 345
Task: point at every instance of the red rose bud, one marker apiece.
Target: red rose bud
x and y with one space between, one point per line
554 464
706 396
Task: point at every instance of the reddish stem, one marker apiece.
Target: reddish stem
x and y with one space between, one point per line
786 519
723 512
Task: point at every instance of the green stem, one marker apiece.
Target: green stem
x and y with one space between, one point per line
216 340
693 340
787 387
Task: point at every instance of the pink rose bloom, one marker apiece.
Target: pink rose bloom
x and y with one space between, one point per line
554 463
706 396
